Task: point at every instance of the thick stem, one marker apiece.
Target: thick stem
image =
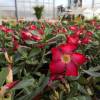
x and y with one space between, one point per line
9 78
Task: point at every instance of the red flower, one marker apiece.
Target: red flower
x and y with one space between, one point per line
43 26
5 29
36 37
9 31
64 30
26 35
33 27
29 36
78 32
73 39
15 43
86 40
73 28
89 33
41 46
93 22
40 31
65 61
1 26
98 27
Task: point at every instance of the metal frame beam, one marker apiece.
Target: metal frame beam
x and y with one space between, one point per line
16 10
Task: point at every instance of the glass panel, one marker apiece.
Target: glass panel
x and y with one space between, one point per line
7 2
7 8
25 7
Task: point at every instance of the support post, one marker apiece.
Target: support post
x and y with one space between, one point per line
16 10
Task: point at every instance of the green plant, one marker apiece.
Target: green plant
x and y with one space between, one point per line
38 11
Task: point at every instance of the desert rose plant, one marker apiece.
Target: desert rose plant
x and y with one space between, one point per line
45 60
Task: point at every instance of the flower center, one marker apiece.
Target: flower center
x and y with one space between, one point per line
66 58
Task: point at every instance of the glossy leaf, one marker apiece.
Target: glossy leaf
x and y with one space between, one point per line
3 75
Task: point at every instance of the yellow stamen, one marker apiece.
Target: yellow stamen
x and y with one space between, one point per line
66 58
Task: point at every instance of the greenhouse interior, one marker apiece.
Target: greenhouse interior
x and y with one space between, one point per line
49 49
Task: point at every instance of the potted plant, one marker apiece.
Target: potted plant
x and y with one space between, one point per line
38 11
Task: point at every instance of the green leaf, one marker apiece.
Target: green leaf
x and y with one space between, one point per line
78 87
16 70
3 75
30 61
62 95
30 42
94 68
81 88
8 98
48 30
34 32
48 36
94 74
97 87
82 80
17 57
41 80
22 50
97 79
38 90
21 98
34 52
24 83
80 98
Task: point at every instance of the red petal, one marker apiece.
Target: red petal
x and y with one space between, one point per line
86 40
33 27
73 28
89 33
1 27
56 54
78 58
78 32
41 31
67 48
98 27
36 38
71 69
11 85
9 31
41 45
26 35
15 44
4 29
93 22
56 77
57 67
64 30
73 39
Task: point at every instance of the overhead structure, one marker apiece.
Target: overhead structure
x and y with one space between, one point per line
24 8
